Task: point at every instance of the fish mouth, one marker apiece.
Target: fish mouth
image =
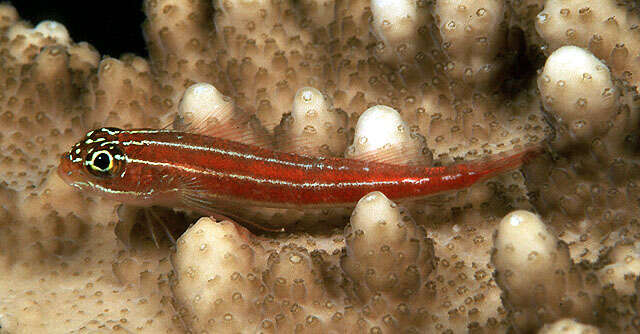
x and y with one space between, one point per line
65 168
71 174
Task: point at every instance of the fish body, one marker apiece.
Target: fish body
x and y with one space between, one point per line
177 169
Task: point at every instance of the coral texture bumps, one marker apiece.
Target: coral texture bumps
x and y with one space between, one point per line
552 247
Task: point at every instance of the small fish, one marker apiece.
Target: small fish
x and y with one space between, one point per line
147 167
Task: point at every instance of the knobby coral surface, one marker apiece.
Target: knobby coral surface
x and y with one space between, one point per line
552 247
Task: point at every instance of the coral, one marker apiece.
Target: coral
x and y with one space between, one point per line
606 28
217 281
472 35
396 25
421 82
382 135
568 326
387 255
313 127
536 274
224 284
583 106
622 268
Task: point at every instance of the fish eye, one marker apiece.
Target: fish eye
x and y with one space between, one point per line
101 163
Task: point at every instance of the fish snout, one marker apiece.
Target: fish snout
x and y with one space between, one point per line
65 168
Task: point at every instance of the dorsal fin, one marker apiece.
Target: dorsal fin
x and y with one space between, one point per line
243 129
410 153
204 110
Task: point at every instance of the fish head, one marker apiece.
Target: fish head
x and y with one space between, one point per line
95 163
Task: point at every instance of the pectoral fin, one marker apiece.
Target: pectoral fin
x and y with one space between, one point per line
195 199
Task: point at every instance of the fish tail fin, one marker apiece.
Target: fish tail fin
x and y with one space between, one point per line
504 162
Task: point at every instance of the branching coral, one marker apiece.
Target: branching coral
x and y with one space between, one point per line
569 327
612 33
420 82
226 285
536 273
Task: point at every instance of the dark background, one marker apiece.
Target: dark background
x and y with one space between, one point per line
113 27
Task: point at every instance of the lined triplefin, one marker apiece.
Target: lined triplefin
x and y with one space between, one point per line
147 167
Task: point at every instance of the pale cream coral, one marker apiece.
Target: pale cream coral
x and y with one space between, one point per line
203 102
606 28
225 283
623 269
536 273
262 54
397 26
579 94
57 282
124 105
472 34
263 43
45 226
314 127
177 33
39 102
8 15
386 253
382 135
215 282
568 326
28 41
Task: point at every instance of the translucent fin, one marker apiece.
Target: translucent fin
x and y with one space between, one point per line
196 199
139 223
410 153
149 224
325 141
160 221
397 155
236 126
505 161
296 144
